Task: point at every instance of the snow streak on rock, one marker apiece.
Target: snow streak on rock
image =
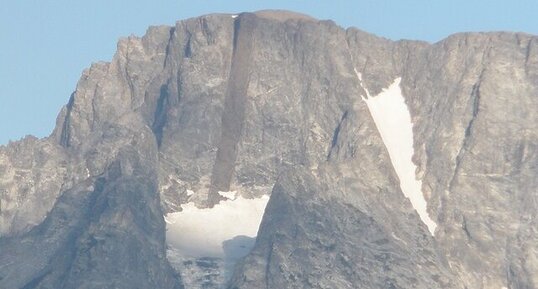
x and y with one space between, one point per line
393 121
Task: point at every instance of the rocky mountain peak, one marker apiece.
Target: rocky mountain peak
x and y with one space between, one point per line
193 121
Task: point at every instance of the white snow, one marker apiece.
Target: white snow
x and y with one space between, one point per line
217 237
393 120
198 233
167 221
359 76
234 16
228 195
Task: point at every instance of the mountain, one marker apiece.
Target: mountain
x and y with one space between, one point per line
389 164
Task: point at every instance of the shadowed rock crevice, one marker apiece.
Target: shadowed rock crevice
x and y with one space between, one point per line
475 106
336 133
65 135
171 38
161 114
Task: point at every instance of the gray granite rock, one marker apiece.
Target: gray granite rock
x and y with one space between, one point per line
331 229
270 102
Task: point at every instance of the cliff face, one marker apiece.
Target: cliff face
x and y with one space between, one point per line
273 103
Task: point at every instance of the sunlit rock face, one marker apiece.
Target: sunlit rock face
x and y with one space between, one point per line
271 105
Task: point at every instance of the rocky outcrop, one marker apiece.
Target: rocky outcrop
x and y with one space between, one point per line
105 231
272 102
325 231
473 104
32 174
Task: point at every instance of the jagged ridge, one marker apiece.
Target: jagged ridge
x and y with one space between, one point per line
199 116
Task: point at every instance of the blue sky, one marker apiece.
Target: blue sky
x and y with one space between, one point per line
45 44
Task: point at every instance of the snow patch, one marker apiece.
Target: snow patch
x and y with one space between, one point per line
228 195
234 16
205 244
359 76
393 120
197 233
167 221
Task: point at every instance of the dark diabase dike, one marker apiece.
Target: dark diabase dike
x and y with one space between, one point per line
270 102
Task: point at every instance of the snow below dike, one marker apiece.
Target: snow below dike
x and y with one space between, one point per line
227 230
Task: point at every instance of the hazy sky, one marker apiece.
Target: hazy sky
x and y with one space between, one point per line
45 44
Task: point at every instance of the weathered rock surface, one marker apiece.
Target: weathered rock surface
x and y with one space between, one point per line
474 101
320 232
271 101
